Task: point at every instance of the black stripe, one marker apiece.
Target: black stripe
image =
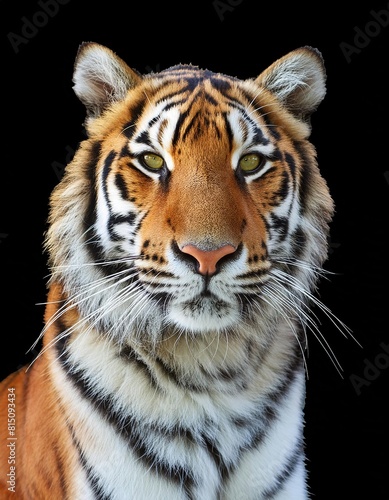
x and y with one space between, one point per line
105 173
261 109
177 378
125 152
259 138
60 470
89 219
268 173
136 111
91 474
198 120
122 186
130 355
299 243
228 130
172 103
267 414
193 82
305 186
292 166
180 121
90 214
289 375
144 138
223 85
282 477
210 99
115 219
281 225
223 469
279 196
132 430
234 103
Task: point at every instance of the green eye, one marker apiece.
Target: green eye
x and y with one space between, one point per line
249 163
155 162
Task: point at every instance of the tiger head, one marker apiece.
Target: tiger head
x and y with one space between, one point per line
195 205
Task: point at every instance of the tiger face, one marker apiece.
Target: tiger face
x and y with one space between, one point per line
195 205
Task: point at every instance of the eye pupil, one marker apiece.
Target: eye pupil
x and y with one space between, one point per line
153 161
250 162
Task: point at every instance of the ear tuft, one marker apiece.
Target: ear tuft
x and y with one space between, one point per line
297 80
100 77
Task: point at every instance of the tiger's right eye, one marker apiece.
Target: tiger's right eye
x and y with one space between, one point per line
153 161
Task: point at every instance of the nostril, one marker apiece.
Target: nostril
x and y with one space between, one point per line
207 259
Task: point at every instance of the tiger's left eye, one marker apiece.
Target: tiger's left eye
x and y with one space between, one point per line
153 161
250 162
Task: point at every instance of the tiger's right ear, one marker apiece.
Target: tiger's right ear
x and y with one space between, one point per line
100 78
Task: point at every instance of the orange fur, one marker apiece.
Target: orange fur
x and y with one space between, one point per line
44 447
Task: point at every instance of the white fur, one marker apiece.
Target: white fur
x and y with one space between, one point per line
121 471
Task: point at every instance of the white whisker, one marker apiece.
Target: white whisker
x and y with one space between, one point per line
282 306
291 297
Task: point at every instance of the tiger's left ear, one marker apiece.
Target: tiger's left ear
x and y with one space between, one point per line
297 80
100 78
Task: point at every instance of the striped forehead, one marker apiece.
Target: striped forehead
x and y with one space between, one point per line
200 102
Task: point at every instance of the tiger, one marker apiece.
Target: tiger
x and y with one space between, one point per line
185 244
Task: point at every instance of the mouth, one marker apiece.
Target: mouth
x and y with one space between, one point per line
204 312
206 302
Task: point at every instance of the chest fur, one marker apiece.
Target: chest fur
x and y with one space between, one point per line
147 430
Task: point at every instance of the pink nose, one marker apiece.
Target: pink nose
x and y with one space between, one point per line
208 259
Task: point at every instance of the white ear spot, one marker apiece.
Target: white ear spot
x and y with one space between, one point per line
100 77
297 80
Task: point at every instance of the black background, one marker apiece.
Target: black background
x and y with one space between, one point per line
346 416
